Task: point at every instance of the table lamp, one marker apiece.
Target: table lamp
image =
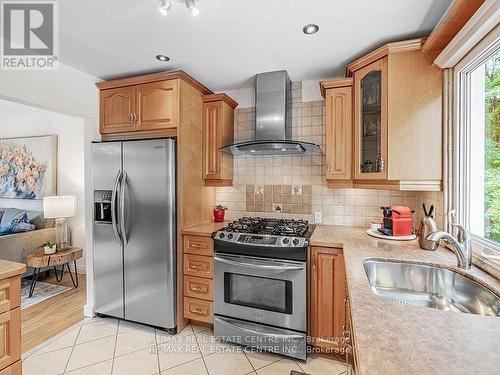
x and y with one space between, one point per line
59 208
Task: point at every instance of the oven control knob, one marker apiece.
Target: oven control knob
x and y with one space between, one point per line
285 241
295 241
221 235
230 236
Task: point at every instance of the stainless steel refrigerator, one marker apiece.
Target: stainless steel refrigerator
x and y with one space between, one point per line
134 230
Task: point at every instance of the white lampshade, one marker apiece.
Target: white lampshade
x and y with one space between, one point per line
59 207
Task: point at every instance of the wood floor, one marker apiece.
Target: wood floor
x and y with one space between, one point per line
52 316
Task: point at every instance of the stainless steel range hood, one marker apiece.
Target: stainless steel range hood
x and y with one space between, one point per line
273 120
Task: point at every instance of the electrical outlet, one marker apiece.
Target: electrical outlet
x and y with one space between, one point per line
318 217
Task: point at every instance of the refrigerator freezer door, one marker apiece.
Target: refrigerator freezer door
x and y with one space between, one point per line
108 254
149 228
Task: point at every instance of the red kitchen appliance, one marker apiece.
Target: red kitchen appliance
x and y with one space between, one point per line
397 221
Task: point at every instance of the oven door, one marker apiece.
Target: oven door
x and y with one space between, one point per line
261 290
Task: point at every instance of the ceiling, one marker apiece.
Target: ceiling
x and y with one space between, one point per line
232 40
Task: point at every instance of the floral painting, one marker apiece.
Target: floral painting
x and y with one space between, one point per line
28 167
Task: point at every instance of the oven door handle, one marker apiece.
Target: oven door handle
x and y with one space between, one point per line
253 332
282 267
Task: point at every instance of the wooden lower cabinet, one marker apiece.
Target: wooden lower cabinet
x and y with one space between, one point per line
198 245
198 265
10 326
14 369
327 315
198 287
197 309
198 278
10 337
10 294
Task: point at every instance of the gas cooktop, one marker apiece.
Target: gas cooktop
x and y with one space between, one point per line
278 227
277 238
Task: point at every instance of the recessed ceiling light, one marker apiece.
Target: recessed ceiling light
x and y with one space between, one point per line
310 29
163 58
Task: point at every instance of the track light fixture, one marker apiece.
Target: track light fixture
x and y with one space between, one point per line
166 5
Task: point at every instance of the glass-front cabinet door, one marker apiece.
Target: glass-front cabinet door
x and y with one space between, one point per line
370 124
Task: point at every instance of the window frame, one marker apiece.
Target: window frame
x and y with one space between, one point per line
461 144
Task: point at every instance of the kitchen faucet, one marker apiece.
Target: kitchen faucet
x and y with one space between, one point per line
461 245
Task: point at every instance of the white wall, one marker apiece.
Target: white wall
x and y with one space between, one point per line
20 120
71 92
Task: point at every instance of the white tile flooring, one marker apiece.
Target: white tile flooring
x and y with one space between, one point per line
105 346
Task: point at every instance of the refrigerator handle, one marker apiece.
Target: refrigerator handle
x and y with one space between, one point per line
122 208
114 205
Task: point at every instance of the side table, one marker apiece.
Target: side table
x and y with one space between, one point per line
39 260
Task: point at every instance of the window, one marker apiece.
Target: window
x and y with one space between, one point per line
484 214
477 141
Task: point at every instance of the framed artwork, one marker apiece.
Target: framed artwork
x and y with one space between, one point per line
28 167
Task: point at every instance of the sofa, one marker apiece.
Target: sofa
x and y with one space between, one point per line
16 247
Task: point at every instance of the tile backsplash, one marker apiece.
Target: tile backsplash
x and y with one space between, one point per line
296 183
278 199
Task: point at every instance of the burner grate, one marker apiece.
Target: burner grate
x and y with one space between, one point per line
278 227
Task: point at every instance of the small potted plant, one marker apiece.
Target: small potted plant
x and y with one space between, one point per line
49 248
219 213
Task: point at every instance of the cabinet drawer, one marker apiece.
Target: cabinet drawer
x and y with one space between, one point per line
198 309
10 337
198 245
14 369
198 265
10 294
198 287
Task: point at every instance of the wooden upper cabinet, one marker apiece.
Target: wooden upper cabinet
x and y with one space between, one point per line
148 106
157 105
338 141
327 297
370 121
117 108
218 131
397 121
211 140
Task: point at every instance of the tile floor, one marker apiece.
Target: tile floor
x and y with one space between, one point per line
105 346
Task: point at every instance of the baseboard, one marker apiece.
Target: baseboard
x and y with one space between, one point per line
88 311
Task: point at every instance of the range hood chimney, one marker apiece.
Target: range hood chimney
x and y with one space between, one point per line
273 120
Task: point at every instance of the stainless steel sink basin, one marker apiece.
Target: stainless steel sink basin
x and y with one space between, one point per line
429 286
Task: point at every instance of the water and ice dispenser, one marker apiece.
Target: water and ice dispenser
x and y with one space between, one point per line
102 206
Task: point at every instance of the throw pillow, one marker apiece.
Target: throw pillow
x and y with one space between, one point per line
18 225
11 214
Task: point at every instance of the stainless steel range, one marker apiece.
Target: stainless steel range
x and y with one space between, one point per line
260 284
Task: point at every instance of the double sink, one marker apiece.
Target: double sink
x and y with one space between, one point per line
430 286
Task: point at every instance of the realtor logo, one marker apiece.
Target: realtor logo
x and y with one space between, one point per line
29 35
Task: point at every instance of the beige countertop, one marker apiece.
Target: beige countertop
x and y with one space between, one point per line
205 229
392 338
10 269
